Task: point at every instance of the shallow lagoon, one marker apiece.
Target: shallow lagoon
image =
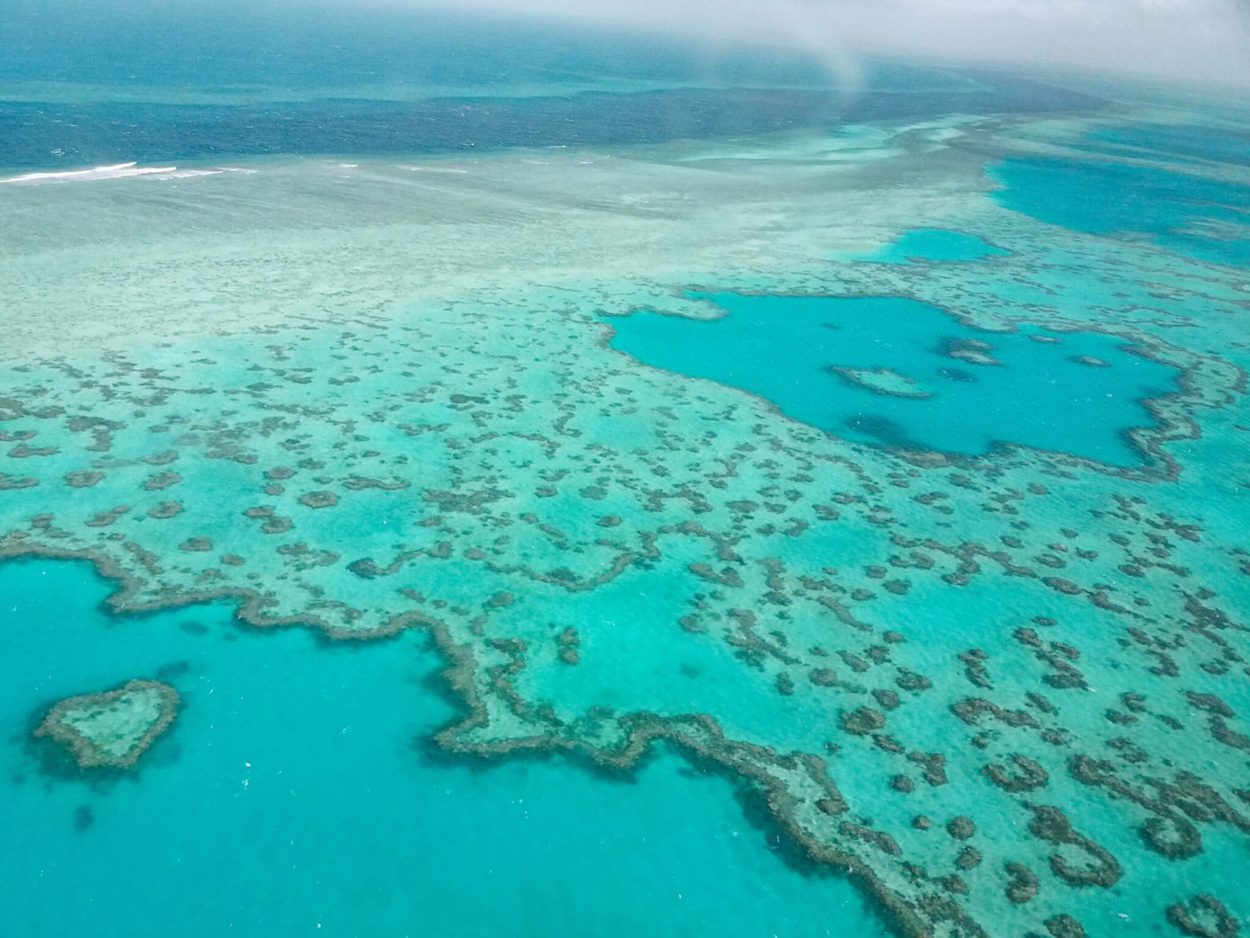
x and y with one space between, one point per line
935 244
895 372
293 793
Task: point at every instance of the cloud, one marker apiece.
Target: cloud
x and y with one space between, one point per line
1188 40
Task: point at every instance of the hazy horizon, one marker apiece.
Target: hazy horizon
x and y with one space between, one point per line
1191 41
1199 42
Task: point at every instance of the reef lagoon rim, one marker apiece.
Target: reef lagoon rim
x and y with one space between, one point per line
1006 693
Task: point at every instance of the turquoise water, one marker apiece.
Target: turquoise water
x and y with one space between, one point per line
936 244
658 636
1200 217
1192 144
294 793
782 349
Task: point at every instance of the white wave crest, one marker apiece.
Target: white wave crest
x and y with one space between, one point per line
435 169
175 173
119 171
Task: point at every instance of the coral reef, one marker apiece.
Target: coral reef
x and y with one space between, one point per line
112 729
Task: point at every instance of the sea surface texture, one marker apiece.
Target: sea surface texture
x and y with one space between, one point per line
467 478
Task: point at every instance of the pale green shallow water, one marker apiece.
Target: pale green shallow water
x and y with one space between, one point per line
523 612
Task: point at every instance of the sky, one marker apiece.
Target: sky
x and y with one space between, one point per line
1204 41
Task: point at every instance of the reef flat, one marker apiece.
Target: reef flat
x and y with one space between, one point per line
112 729
1003 688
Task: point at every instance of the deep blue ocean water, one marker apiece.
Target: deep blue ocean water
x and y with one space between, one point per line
94 83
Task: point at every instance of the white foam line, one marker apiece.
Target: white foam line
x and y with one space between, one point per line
120 171
194 173
435 169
